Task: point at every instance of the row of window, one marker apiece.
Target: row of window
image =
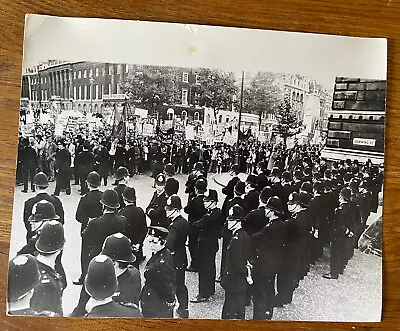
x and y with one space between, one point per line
184 115
185 78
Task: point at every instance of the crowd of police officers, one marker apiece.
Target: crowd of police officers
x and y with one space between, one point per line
273 227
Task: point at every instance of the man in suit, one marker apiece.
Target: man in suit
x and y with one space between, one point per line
85 164
89 208
29 163
101 284
136 226
195 210
252 195
228 189
156 208
196 174
235 275
121 181
158 293
63 167
41 183
171 184
176 243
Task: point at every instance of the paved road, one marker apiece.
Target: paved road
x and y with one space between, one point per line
356 296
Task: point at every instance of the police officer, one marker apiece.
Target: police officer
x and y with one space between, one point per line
171 184
229 188
101 284
176 241
89 207
121 180
252 195
158 293
197 173
340 233
136 226
156 208
210 226
41 183
63 167
23 276
118 248
47 296
195 210
317 219
235 276
267 245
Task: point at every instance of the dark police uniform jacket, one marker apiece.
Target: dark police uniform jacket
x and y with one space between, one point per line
129 287
99 229
210 226
171 186
191 183
47 296
157 214
114 309
343 221
159 287
136 226
176 240
32 201
238 254
251 200
89 207
195 210
262 181
120 188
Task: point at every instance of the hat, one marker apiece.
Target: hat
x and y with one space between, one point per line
287 176
235 168
266 193
173 202
306 186
129 194
318 186
327 173
40 179
118 248
276 172
101 281
93 179
23 276
160 180
354 184
169 169
239 188
158 231
328 184
298 174
261 165
275 204
201 185
304 199
252 180
86 144
121 172
198 166
43 211
345 193
293 198
347 176
51 238
236 212
110 199
211 195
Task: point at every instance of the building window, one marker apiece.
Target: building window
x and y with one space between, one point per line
109 89
74 74
86 92
220 119
45 79
97 92
97 72
84 73
126 68
196 116
101 91
183 115
75 95
79 74
197 79
184 96
227 120
91 73
80 92
208 119
109 70
42 95
185 77
118 69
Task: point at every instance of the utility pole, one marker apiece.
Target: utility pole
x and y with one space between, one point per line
240 119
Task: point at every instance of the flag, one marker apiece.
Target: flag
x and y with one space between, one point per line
119 126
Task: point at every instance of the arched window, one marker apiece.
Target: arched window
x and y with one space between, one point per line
294 97
96 108
183 115
301 98
298 97
196 116
84 107
79 107
170 113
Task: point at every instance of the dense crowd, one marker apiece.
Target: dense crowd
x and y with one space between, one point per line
273 226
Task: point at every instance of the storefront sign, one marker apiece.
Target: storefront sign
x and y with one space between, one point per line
364 142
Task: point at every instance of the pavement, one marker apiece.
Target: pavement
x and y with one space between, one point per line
355 296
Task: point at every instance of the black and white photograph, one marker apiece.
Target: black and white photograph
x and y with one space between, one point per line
175 171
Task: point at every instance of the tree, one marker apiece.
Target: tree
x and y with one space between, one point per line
288 122
216 89
148 86
263 95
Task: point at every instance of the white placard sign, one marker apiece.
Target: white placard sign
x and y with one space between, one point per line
364 142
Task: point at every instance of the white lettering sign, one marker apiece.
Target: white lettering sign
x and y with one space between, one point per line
364 142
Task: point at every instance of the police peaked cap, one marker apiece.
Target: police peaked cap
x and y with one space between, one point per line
158 231
101 281
173 202
129 194
211 195
121 172
239 188
51 238
118 247
236 212
41 179
93 179
110 199
169 169
266 193
23 276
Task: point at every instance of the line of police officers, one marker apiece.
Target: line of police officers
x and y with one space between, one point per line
273 227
